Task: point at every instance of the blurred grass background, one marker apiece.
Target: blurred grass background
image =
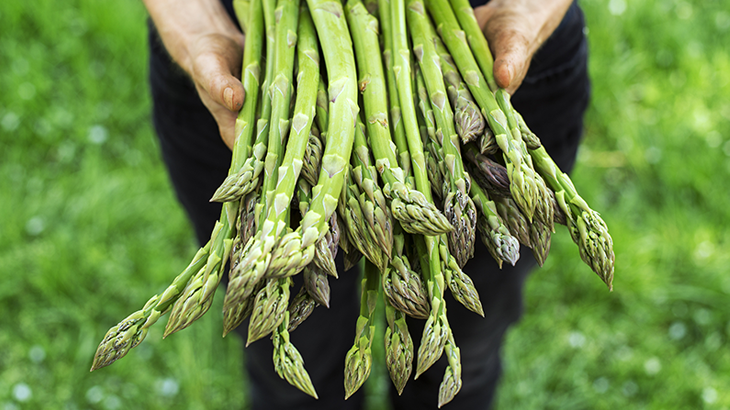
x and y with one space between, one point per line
90 229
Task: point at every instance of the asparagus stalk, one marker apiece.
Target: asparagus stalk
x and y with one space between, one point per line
477 42
358 360
487 173
460 284
312 158
458 206
512 216
288 362
519 166
468 119
198 294
326 248
495 235
296 249
434 154
543 206
398 347
269 309
131 331
402 286
436 328
300 308
487 142
586 227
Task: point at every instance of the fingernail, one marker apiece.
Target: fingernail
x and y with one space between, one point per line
228 98
510 73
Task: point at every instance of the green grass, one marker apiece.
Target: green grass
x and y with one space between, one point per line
90 228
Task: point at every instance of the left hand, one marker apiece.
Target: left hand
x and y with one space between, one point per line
515 30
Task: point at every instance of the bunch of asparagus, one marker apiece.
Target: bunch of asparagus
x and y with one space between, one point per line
398 147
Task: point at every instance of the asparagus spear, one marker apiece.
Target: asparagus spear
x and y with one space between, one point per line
487 142
317 285
358 360
198 294
512 216
296 249
131 331
460 284
543 206
300 308
288 362
437 329
519 166
458 206
398 347
437 326
494 233
468 119
326 248
586 227
269 308
477 42
402 286
487 173
451 383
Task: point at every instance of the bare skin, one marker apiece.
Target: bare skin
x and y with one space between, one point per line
515 30
204 41
202 38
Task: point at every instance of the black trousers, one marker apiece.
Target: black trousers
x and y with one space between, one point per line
552 99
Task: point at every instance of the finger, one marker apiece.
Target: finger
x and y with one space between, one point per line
511 49
213 74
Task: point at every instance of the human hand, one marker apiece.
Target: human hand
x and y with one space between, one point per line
515 30
215 67
203 40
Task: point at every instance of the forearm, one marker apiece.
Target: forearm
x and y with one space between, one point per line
182 23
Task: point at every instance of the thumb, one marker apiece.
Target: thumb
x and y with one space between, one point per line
215 70
215 77
511 57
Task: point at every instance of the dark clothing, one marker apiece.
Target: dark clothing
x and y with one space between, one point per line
552 99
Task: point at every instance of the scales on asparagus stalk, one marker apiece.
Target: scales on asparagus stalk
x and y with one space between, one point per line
398 347
359 359
468 119
494 233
